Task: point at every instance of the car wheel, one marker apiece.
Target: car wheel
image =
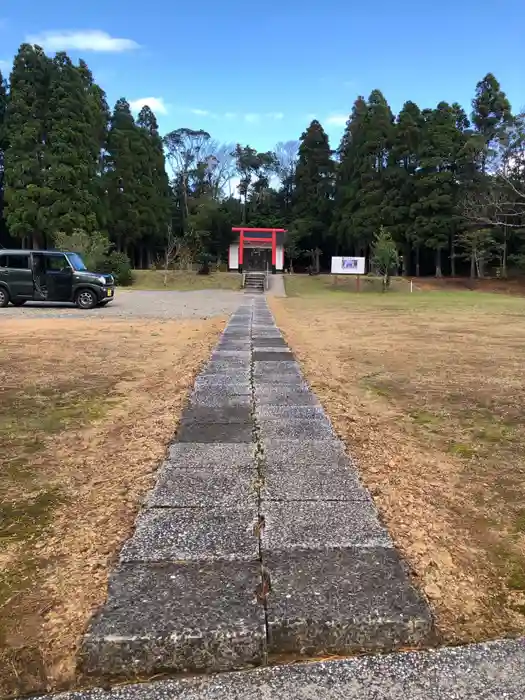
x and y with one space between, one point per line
4 297
19 302
86 299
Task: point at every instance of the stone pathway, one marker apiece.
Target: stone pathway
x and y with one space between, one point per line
258 541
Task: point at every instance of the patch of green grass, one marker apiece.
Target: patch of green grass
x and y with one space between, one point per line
25 519
307 285
519 521
381 387
461 449
516 579
426 418
180 280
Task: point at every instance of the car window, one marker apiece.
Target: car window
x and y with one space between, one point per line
57 263
17 262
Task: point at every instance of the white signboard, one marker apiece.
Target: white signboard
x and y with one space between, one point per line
348 266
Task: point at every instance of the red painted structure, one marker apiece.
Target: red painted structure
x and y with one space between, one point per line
245 237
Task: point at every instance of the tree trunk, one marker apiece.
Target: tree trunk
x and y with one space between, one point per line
472 265
438 263
406 261
417 262
504 253
452 257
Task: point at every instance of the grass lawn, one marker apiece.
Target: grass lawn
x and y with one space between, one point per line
427 390
180 280
84 422
314 285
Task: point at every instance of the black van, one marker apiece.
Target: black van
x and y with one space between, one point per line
51 275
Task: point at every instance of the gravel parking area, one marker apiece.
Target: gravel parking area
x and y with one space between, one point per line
199 304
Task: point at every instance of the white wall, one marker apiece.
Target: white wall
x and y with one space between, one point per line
279 258
233 257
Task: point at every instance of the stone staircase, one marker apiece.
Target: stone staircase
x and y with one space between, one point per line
254 282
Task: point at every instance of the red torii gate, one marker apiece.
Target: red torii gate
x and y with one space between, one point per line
243 230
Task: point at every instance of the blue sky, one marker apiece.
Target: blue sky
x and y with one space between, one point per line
257 73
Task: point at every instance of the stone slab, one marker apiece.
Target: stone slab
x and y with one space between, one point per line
279 349
296 429
174 617
269 343
285 396
206 475
280 412
288 379
489 671
269 369
238 380
309 471
211 414
222 355
193 534
263 356
226 391
197 431
204 397
186 455
228 365
343 602
320 525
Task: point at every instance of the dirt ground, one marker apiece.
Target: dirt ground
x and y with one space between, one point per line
86 411
427 392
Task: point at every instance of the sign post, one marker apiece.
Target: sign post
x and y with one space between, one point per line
349 266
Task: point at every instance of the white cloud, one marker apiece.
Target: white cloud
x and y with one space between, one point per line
156 104
252 118
230 115
200 112
337 120
82 40
275 115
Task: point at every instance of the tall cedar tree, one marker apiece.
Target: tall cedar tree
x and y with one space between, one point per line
100 116
401 192
348 180
373 164
154 188
3 147
491 113
125 143
26 124
313 196
435 210
71 153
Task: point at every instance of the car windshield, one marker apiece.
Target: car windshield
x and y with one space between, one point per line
76 262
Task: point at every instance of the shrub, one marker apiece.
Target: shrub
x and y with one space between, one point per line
119 266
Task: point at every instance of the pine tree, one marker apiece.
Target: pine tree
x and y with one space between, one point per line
26 125
125 143
154 189
71 153
314 184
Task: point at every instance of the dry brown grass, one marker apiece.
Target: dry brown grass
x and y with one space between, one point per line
427 391
86 411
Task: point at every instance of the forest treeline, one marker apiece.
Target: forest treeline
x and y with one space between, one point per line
447 185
